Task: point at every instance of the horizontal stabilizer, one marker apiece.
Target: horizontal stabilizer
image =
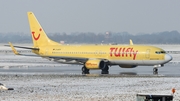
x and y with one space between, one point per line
23 47
17 53
13 49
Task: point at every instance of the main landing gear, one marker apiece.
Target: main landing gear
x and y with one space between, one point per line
105 70
85 70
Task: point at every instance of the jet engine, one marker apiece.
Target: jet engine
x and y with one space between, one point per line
95 64
127 66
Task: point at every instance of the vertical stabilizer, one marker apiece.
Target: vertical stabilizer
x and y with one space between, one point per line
39 37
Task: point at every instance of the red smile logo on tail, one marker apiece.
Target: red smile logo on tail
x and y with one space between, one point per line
36 38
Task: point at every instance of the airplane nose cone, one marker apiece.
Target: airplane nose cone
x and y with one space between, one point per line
168 58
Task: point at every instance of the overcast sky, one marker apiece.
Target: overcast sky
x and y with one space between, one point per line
98 16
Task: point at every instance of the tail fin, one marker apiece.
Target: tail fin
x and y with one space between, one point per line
39 37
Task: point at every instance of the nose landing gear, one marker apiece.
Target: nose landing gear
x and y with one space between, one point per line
155 71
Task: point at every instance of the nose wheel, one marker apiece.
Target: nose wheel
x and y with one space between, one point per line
155 71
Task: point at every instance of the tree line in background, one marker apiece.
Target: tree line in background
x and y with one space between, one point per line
172 37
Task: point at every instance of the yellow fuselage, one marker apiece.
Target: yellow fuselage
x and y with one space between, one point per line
131 54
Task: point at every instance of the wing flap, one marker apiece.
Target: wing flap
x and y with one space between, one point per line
80 60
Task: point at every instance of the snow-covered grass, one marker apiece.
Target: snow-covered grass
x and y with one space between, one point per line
83 88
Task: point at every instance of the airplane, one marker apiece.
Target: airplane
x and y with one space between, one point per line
93 56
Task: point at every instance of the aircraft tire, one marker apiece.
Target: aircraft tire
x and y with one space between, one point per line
105 70
155 73
155 70
85 70
10 88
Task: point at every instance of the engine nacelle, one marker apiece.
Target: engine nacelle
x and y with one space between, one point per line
95 64
127 66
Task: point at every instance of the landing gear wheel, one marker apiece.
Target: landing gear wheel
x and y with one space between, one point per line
85 70
155 71
105 70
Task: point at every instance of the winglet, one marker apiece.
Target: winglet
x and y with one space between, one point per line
131 42
13 49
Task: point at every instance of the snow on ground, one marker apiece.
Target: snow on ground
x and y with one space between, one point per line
83 88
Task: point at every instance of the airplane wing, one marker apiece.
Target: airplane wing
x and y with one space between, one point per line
72 60
68 59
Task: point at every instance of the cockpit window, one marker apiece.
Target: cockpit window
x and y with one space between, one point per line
163 52
160 52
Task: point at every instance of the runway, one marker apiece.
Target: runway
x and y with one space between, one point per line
169 70
11 64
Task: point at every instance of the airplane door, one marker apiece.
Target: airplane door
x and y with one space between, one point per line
98 53
147 55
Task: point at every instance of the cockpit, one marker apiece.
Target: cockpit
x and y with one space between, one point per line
160 52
